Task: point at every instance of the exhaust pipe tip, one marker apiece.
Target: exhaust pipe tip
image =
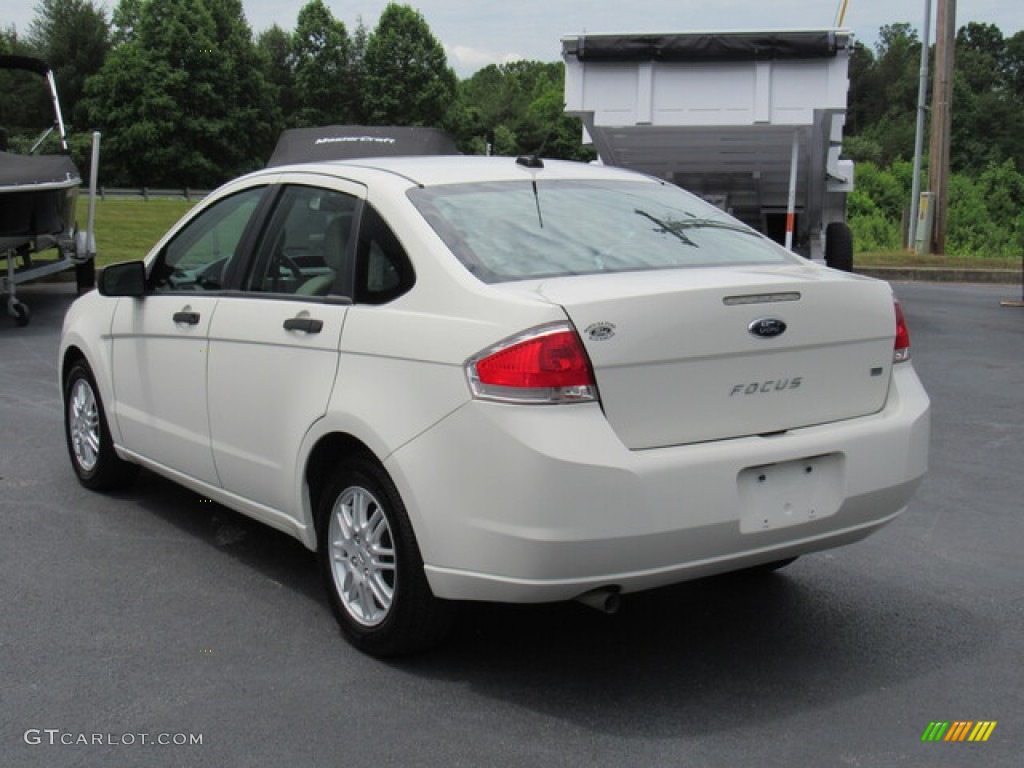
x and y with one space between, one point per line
606 600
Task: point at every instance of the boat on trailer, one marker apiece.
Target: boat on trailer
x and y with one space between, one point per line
39 235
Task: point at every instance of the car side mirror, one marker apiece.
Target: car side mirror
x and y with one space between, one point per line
125 279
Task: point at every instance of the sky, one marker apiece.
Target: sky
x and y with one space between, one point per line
476 33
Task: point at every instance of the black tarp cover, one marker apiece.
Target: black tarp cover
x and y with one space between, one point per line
28 63
20 170
707 46
347 142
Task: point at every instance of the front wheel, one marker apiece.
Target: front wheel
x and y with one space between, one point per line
88 437
371 564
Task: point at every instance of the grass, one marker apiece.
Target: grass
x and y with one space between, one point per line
910 259
127 228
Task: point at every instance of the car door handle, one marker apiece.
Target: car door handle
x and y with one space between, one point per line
307 324
189 318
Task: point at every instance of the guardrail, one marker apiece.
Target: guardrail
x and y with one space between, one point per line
147 193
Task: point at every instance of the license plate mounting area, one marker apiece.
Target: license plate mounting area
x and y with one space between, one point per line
790 493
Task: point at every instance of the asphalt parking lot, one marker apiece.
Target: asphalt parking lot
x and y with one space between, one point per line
152 616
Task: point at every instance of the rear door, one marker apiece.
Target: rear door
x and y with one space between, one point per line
274 346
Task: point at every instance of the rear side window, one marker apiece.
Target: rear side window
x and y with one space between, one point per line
383 271
521 230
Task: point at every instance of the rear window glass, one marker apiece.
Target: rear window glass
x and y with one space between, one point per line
521 230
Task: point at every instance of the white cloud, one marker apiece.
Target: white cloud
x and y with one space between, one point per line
465 60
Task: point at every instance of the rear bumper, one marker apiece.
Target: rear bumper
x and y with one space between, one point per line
538 504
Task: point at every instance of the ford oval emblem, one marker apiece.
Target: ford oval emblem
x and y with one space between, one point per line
600 331
767 328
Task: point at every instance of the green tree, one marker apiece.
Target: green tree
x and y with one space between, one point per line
502 92
980 53
864 106
8 40
407 77
274 47
247 100
889 114
183 102
862 149
1013 67
874 208
899 60
126 18
988 98
73 36
1001 186
986 115
522 105
320 60
971 231
25 105
357 70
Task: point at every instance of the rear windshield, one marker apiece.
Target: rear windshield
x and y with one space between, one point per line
522 230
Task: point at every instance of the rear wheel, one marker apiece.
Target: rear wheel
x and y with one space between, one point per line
89 443
371 564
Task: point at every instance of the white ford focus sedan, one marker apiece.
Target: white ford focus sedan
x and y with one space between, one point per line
464 378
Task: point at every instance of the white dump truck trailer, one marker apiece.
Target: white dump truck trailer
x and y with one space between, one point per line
751 121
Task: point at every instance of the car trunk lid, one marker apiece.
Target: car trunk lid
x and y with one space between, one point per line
685 356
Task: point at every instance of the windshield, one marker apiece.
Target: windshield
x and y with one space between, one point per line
524 229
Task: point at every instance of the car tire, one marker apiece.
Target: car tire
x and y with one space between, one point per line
371 564
90 445
839 246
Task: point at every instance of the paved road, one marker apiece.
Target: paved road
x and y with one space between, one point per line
152 613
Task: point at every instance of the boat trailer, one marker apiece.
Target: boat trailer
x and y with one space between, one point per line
39 234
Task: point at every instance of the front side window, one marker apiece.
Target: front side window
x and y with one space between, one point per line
521 230
199 256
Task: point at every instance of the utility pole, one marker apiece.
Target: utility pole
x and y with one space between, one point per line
942 119
922 111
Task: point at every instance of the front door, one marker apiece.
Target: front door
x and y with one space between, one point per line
159 342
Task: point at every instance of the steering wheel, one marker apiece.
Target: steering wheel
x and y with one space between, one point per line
210 277
283 260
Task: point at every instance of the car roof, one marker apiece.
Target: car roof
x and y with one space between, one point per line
436 170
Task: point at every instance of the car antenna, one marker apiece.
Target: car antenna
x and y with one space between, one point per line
533 162
530 161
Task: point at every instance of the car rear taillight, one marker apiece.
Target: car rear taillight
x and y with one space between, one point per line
901 349
544 365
